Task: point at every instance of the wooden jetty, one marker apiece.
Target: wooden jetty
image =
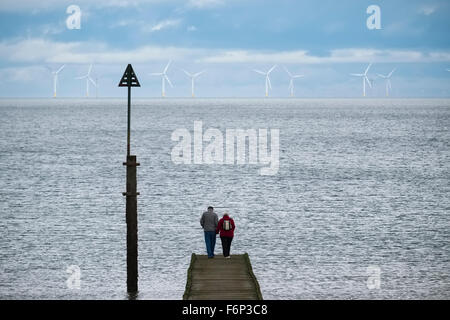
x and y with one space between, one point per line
221 279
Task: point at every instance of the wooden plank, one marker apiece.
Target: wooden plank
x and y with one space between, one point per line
221 279
249 295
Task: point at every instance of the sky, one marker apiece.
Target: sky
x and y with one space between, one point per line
324 40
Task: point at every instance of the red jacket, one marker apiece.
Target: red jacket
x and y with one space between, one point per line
224 233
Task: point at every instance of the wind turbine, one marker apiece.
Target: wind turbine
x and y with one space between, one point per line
193 76
291 83
55 78
364 78
88 78
164 78
388 81
266 74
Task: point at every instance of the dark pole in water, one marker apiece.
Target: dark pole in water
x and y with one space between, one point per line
132 225
129 80
129 121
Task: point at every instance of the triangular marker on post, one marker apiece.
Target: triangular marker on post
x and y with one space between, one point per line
129 78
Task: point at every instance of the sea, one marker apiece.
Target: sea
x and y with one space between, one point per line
359 207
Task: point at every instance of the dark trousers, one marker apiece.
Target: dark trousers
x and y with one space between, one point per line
226 245
210 240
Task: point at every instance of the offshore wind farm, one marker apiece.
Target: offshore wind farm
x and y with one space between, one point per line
267 82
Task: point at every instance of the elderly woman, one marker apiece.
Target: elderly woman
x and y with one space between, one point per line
226 229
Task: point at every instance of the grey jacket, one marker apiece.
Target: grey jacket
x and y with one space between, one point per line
209 221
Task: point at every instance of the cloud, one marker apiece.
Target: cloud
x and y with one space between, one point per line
205 4
169 23
35 50
123 23
22 74
52 29
46 51
39 50
350 55
428 9
144 25
35 6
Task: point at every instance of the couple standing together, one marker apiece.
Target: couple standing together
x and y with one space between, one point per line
211 226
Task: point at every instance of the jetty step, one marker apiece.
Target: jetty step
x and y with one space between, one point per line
221 279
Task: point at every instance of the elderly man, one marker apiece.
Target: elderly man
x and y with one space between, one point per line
209 222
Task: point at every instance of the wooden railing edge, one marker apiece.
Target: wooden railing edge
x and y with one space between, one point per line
187 290
252 275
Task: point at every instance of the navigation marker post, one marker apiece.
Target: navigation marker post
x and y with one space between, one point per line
129 80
